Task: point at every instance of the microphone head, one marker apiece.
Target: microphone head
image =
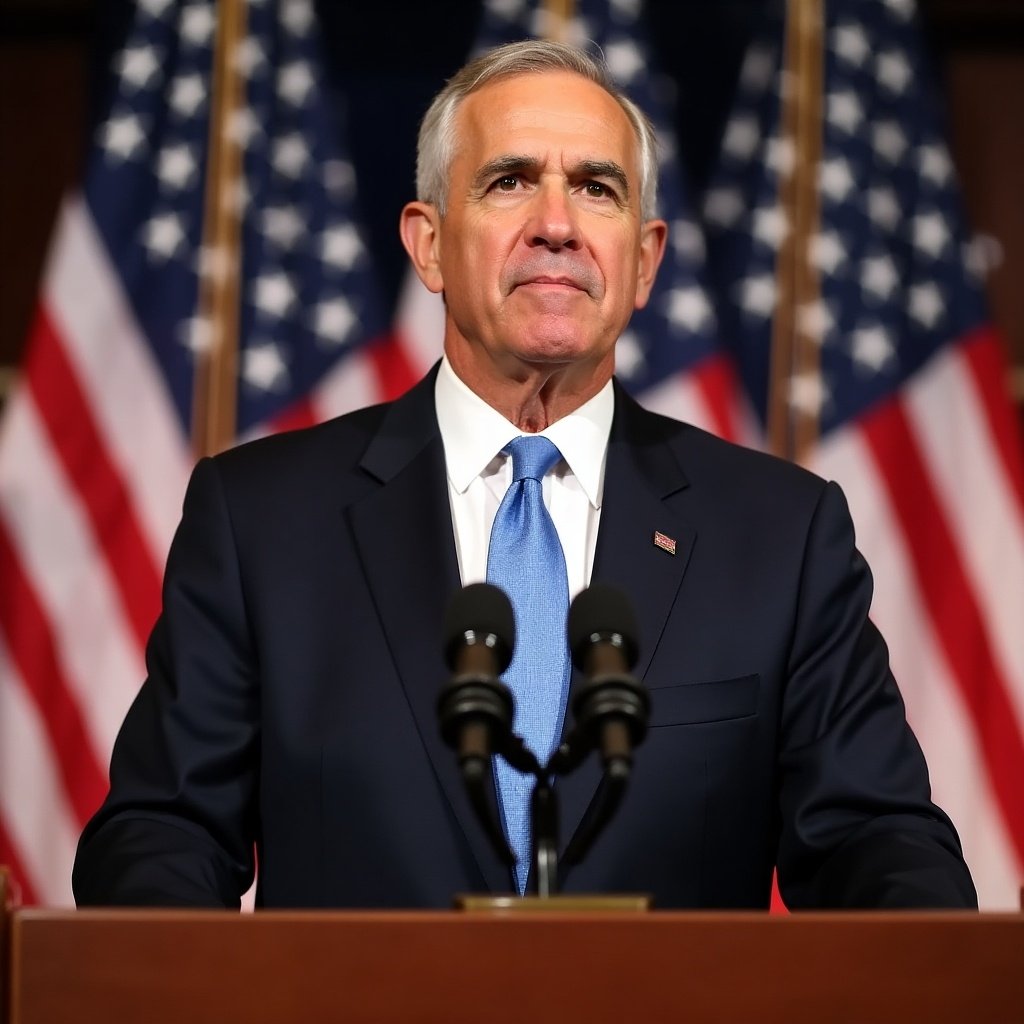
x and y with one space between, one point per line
602 613
480 614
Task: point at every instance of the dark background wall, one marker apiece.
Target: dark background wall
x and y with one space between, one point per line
392 55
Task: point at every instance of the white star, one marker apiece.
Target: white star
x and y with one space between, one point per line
808 393
835 179
163 236
624 60
742 135
213 262
197 25
627 10
290 155
297 16
935 164
341 246
176 166
770 225
629 356
505 9
815 320
196 334
845 111
138 65
154 8
282 225
827 251
883 207
122 136
757 295
250 56
689 308
757 70
902 9
242 125
983 254
688 240
893 71
872 347
334 320
931 233
264 368
274 293
878 275
295 82
339 178
187 93
888 140
851 43
779 156
926 305
723 206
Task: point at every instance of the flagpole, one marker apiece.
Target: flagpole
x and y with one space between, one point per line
794 387
557 15
215 392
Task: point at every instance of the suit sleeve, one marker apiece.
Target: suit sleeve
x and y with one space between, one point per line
859 828
178 826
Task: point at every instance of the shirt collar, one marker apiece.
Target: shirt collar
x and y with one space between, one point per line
473 433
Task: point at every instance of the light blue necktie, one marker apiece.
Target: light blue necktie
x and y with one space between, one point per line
525 559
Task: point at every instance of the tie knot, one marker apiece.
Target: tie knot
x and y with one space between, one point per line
532 457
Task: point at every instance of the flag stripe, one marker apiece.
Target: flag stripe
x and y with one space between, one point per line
32 648
984 354
24 893
717 382
945 590
935 704
72 428
394 371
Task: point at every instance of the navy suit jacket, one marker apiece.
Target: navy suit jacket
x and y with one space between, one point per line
294 671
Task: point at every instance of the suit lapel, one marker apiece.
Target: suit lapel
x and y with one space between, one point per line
403 531
641 475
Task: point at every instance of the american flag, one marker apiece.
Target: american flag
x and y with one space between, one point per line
95 448
909 392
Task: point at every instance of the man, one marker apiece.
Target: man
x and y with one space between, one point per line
294 671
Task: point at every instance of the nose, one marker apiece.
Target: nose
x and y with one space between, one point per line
552 222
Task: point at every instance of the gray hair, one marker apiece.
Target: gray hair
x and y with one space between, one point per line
435 148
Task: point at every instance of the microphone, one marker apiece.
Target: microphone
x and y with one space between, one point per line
475 707
611 707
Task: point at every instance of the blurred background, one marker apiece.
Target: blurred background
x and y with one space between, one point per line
879 341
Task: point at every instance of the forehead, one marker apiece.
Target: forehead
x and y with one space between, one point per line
531 113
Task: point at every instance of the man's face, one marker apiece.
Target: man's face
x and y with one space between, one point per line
542 254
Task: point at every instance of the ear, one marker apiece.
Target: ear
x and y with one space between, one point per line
420 228
653 235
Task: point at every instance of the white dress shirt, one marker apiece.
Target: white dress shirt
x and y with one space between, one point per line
479 474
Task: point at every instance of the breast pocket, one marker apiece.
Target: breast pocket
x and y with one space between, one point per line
694 703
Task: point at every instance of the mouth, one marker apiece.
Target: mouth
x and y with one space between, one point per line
548 281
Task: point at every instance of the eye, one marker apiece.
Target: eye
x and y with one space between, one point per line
598 190
507 183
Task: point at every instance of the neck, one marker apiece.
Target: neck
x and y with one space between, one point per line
530 395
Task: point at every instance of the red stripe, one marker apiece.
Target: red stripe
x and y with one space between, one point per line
298 415
716 380
946 592
22 892
394 370
34 652
76 438
985 355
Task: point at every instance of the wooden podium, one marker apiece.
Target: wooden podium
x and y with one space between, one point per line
198 967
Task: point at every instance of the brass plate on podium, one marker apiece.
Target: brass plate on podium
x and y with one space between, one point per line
631 903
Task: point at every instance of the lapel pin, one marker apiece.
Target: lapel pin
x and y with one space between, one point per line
665 543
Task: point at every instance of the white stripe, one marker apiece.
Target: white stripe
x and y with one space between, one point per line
935 707
350 384
94 644
952 432
681 398
419 324
36 814
116 370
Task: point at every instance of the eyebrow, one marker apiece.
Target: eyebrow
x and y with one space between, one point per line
510 163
